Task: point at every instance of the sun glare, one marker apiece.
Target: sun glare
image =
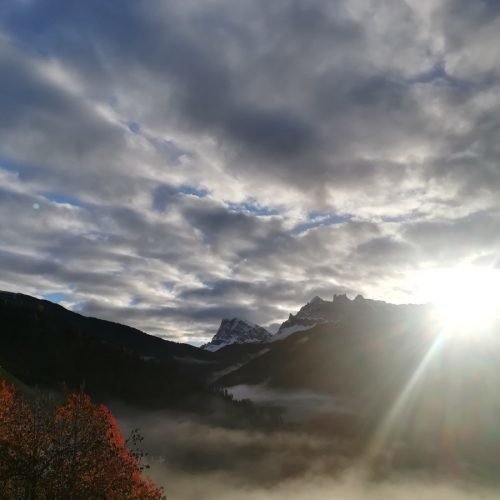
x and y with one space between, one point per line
467 300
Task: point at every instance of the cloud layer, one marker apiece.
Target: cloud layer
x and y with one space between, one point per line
168 164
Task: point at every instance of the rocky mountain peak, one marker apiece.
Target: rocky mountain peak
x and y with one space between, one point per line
316 300
341 299
308 316
236 331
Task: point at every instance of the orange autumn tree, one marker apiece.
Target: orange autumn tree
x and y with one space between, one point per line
24 444
71 451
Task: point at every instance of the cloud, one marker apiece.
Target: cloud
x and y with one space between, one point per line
180 152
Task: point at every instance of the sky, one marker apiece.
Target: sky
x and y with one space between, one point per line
168 163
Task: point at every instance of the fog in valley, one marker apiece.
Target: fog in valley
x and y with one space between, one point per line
197 460
294 406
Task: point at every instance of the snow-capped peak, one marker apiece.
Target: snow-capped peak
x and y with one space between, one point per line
308 316
236 331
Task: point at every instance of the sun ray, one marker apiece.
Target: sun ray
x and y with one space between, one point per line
383 432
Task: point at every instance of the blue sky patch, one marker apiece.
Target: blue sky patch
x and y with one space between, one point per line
134 127
169 285
134 301
56 297
23 170
317 219
190 190
437 72
251 207
63 198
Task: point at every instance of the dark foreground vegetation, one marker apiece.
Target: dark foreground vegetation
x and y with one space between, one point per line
71 449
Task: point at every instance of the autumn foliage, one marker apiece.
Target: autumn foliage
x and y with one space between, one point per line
73 450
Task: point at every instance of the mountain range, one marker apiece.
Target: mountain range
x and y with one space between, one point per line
44 343
361 352
354 368
315 312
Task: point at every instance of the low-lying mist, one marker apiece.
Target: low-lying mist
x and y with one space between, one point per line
296 405
220 487
197 460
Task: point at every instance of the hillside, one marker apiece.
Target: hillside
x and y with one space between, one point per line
44 344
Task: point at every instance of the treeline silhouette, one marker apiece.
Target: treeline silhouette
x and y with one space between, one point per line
43 352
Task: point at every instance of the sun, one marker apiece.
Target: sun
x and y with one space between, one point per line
466 300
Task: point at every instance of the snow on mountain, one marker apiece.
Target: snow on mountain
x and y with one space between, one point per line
313 313
236 331
283 333
318 311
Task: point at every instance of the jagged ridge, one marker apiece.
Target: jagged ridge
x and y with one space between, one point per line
318 311
236 331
